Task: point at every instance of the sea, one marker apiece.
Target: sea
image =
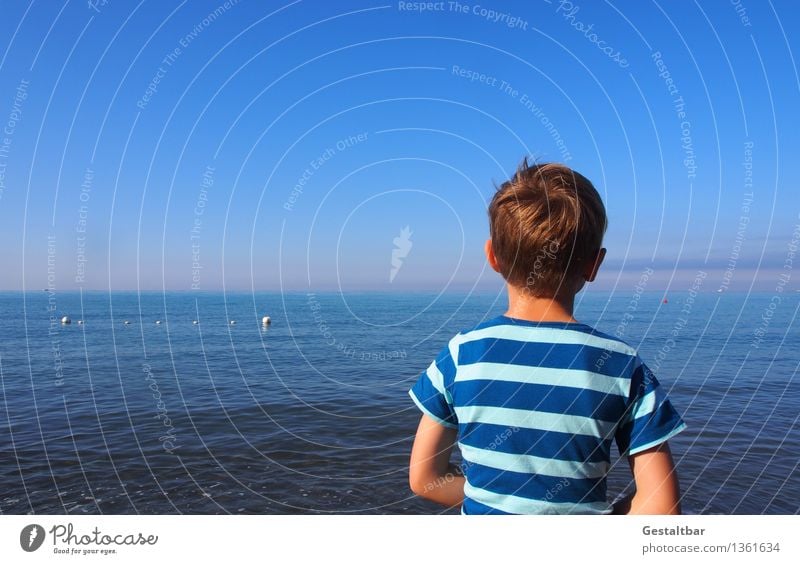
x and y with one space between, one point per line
188 403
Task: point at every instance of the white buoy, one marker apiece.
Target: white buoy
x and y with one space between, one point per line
266 320
158 322
66 320
80 322
195 322
233 322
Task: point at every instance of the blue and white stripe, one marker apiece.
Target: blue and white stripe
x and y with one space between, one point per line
537 406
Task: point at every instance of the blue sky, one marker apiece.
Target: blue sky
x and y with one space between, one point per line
269 145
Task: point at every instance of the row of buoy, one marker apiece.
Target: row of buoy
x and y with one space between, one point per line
266 320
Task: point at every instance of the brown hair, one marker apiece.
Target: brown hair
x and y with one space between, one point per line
546 223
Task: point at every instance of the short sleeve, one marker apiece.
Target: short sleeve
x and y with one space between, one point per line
430 392
650 418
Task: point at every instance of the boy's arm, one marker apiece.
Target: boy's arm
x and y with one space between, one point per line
657 491
430 473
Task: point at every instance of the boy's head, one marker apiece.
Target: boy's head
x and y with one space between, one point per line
547 225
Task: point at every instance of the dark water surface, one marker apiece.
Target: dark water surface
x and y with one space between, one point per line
312 413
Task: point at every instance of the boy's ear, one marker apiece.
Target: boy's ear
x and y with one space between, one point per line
591 272
491 259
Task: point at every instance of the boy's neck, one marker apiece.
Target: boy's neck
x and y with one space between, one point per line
523 305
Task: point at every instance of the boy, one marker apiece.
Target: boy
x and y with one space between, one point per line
533 397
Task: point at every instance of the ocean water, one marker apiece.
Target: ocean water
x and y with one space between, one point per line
311 414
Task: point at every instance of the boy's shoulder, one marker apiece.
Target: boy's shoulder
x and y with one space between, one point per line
504 327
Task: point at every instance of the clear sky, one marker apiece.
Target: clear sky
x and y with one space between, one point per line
271 145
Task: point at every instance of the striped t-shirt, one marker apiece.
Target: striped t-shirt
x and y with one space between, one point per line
537 405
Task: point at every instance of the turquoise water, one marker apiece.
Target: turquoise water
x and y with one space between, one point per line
311 413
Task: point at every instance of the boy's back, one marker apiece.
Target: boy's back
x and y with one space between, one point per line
537 406
534 398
